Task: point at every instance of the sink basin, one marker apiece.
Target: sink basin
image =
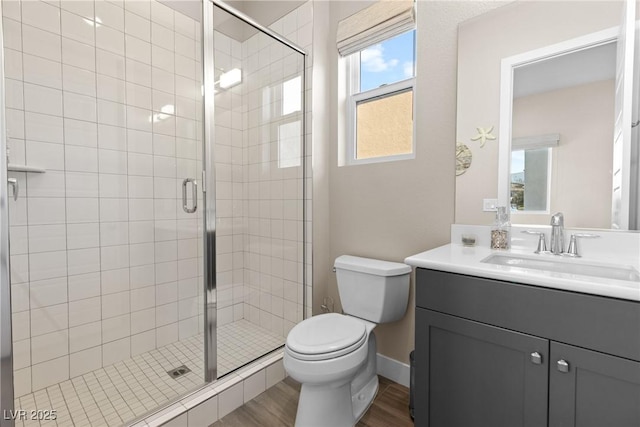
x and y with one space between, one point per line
564 265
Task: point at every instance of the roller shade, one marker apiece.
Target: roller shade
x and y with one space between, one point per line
534 142
374 24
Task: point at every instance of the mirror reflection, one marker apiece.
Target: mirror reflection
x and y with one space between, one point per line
558 155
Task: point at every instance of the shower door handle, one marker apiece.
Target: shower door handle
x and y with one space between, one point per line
194 195
16 188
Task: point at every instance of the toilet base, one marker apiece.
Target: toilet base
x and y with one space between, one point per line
340 404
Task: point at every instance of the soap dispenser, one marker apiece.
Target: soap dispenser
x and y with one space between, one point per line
500 231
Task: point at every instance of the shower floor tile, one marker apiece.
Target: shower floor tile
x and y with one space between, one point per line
115 394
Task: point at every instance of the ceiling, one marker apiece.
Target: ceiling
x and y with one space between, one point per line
576 68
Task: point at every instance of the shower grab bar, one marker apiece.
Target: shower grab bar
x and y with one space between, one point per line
194 195
16 188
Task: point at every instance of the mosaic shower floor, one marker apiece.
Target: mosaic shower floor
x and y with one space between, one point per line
116 394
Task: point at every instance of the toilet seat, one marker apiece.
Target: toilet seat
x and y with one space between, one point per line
326 336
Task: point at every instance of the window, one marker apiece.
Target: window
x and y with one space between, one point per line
380 104
530 173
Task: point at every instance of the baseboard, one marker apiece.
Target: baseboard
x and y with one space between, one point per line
396 371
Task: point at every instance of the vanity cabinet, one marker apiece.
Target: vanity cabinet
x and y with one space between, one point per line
495 353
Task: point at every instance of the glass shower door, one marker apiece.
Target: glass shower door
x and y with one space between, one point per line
257 133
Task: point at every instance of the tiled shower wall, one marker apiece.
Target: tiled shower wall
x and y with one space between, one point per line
260 177
105 264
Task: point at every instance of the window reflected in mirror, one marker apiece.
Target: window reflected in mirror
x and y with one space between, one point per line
530 180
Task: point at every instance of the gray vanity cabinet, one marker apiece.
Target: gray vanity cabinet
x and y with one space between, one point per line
592 389
480 375
500 354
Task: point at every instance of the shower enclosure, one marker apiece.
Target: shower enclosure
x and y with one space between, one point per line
154 213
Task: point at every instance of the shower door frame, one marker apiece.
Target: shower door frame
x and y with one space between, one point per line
6 345
208 174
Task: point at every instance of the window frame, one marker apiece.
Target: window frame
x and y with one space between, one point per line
354 97
547 211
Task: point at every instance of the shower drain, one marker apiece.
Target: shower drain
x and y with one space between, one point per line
178 372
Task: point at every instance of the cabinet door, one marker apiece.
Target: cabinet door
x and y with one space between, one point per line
592 389
472 374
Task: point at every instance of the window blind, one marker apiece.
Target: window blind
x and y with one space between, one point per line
374 24
533 142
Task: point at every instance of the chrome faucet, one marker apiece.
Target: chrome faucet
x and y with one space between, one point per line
557 233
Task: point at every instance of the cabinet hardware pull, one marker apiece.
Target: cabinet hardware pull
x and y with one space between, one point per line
536 358
563 366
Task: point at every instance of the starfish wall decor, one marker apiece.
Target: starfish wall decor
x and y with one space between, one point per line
483 135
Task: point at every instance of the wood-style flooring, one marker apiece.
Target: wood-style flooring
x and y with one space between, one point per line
277 407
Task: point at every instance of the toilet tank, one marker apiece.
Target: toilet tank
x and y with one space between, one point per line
372 289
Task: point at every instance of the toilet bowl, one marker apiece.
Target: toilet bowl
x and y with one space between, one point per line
333 355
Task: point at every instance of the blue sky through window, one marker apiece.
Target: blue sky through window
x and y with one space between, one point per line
387 62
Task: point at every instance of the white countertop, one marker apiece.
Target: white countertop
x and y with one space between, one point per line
456 258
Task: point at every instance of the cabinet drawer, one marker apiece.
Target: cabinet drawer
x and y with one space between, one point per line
603 324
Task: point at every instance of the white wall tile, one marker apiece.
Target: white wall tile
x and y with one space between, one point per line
137 26
41 15
41 71
21 354
49 346
79 132
137 49
230 399
141 232
110 15
41 43
82 209
110 64
41 127
115 328
12 31
110 40
81 261
111 88
39 99
138 72
204 414
85 336
166 334
115 351
84 311
80 107
143 298
113 210
51 185
143 342
49 319
44 293
144 320
47 265
84 286
76 27
45 155
78 54
140 164
79 81
112 137
81 159
111 162
139 142
114 281
114 257
50 372
85 361
162 14
83 8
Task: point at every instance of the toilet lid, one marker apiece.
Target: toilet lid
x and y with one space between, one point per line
327 333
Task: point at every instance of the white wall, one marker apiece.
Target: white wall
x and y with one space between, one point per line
392 210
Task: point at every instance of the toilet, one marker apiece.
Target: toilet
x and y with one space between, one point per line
333 355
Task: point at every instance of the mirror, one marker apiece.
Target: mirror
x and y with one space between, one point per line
543 74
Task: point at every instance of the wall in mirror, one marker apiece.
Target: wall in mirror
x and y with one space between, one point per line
560 149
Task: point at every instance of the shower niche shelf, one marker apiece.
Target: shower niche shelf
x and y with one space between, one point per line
24 168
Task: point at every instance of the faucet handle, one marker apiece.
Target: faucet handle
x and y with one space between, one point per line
572 251
542 241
